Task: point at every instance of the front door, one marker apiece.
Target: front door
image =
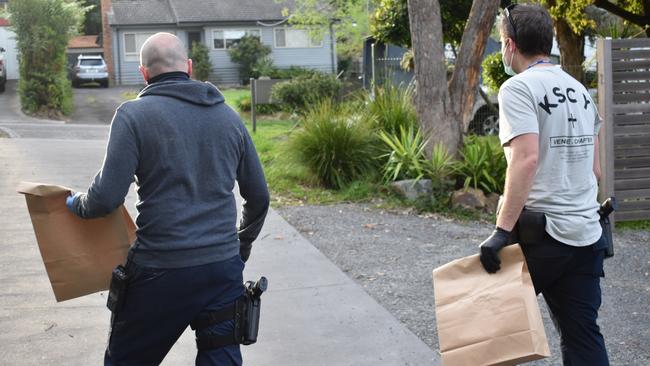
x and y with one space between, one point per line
193 36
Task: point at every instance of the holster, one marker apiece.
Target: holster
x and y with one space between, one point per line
246 314
249 324
606 224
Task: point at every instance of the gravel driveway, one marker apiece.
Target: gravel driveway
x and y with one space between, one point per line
392 254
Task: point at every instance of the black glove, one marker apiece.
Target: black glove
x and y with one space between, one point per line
490 249
245 251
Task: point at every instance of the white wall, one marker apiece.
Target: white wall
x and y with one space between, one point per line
8 42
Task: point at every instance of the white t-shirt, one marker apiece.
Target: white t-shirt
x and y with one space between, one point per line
550 103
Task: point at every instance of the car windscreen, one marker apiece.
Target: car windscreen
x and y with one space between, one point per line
91 62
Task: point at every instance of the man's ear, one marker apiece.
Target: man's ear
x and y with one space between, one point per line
512 45
145 74
189 67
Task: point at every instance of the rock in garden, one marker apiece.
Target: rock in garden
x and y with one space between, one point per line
492 202
471 199
412 189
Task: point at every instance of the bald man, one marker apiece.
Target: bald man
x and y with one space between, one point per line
185 148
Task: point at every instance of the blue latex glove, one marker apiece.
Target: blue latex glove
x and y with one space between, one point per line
69 201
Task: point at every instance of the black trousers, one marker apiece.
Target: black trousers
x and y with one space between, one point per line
161 303
569 279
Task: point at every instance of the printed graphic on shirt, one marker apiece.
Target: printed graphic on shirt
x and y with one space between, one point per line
569 95
572 141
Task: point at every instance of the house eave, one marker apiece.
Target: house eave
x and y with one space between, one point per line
196 23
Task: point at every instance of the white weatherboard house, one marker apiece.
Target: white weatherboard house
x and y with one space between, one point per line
216 23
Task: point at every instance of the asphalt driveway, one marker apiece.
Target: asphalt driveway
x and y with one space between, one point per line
96 105
92 104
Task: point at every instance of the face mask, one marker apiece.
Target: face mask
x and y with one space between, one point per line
508 68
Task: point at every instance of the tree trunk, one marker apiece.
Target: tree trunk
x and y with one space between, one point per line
431 97
572 49
465 79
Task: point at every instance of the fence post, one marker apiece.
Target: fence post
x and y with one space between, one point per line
253 103
606 108
372 70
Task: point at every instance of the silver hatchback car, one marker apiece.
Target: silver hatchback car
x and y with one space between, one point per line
90 69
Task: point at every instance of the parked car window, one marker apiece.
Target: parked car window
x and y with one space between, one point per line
91 62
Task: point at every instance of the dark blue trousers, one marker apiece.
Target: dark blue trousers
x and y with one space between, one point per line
569 279
161 303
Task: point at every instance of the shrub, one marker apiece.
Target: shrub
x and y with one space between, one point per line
440 167
201 64
406 159
299 93
246 53
493 73
482 165
392 109
292 72
264 67
43 28
333 146
407 62
244 104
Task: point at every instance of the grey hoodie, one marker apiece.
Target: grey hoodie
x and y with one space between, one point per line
185 148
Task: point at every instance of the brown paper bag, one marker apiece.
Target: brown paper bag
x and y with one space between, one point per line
79 255
488 319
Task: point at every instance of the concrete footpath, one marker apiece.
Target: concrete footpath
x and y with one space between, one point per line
313 314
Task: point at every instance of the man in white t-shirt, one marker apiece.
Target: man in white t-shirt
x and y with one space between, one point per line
549 129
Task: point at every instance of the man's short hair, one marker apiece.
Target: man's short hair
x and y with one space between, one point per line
531 27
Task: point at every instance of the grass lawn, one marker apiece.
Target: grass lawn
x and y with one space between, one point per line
289 182
232 95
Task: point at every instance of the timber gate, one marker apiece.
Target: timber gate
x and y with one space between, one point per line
624 105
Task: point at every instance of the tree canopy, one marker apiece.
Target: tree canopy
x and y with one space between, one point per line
574 12
92 24
390 21
348 18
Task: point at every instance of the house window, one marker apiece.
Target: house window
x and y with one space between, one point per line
294 38
223 39
133 42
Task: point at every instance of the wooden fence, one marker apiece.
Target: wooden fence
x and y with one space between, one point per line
624 105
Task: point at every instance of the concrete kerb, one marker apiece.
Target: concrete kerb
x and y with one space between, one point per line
313 314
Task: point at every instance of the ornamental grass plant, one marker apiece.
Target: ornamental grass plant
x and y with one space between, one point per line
334 145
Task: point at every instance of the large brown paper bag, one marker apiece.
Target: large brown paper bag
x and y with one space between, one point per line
79 255
488 319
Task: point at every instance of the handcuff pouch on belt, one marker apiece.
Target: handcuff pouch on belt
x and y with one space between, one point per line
246 314
117 289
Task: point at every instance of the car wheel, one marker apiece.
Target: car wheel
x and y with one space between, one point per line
104 84
490 125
